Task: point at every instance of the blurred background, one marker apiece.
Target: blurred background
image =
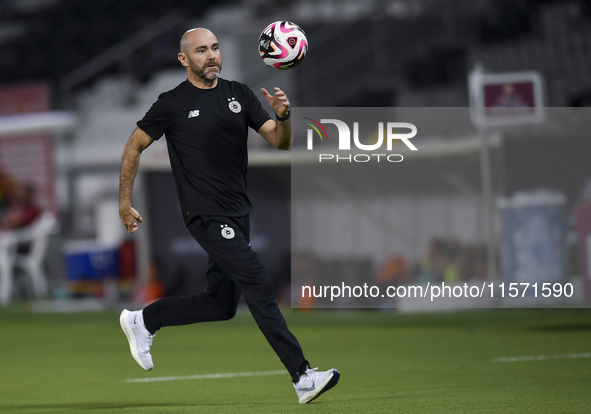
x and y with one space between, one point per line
75 76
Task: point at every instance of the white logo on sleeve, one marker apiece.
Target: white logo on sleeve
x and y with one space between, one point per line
193 114
234 105
227 232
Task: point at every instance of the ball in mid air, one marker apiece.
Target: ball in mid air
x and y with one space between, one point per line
283 45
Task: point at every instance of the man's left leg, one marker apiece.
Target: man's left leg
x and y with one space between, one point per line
226 240
232 253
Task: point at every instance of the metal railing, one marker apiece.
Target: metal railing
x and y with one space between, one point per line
118 53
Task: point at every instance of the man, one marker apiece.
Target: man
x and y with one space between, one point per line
22 211
205 120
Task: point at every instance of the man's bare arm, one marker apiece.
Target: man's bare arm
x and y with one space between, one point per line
277 133
138 142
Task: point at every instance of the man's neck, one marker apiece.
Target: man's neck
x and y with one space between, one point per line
203 83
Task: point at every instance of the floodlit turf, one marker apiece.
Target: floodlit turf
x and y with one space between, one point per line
389 363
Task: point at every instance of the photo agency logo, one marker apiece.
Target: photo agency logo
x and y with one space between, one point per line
393 132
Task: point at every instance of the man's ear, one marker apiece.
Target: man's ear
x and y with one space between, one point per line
183 59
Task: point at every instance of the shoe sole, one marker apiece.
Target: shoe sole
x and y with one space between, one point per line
325 386
130 338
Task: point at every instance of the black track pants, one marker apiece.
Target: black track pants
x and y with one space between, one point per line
233 268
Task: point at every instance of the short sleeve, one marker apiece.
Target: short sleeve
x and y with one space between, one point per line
156 121
257 116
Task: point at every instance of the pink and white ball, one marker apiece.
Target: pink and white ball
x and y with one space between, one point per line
283 45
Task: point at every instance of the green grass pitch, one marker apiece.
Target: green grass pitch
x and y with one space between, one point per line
389 363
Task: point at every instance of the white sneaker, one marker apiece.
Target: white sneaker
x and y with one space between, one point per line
313 383
138 336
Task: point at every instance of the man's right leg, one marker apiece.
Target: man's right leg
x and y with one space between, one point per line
217 303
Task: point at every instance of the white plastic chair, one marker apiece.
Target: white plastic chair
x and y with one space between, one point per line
37 234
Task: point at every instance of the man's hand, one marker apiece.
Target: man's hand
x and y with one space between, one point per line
278 102
130 218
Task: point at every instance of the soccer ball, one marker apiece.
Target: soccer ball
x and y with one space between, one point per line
283 45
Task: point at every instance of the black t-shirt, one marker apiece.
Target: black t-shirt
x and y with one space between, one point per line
206 133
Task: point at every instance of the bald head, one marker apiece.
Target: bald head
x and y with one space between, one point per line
195 38
200 54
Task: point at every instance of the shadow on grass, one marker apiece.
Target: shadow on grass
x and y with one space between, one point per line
574 327
88 406
84 406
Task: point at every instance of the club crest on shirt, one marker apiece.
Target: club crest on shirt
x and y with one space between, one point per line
227 232
234 105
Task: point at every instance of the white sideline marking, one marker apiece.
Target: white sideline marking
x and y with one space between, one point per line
541 357
208 376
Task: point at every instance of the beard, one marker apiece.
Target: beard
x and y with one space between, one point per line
207 72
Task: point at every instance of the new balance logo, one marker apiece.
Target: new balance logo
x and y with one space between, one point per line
193 114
